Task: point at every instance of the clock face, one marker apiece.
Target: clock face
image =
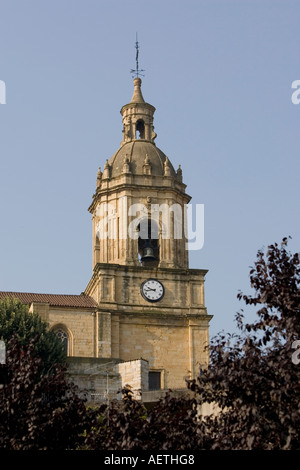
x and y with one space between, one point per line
152 290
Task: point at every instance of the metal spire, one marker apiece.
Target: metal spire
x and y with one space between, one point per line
137 71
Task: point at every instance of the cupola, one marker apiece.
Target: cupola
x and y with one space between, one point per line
138 117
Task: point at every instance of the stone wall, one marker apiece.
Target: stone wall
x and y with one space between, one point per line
79 324
101 380
135 374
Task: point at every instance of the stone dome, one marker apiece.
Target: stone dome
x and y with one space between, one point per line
137 154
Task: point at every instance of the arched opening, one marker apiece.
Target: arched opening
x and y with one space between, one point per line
140 129
62 334
148 243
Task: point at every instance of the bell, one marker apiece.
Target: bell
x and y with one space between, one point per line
148 252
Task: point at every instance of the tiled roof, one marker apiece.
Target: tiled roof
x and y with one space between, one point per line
57 300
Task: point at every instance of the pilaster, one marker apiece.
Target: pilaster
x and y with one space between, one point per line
104 334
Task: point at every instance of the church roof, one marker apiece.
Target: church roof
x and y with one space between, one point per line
55 300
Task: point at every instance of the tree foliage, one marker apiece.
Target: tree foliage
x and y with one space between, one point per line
171 423
39 407
17 321
252 377
38 410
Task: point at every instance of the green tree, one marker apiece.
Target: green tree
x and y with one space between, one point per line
15 320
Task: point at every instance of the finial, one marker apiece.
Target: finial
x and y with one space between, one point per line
99 177
126 164
179 174
106 171
167 171
137 71
147 168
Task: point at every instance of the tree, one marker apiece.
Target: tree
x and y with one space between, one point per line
39 410
252 376
15 320
39 407
171 423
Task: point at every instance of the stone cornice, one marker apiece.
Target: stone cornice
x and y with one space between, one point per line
131 186
137 106
155 315
152 271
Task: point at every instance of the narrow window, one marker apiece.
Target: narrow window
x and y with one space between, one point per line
140 129
63 337
148 247
154 380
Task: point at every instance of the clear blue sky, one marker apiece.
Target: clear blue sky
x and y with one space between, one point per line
219 73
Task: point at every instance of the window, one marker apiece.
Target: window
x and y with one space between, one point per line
148 248
154 380
140 129
63 337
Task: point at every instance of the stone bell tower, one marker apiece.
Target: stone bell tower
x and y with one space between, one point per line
151 305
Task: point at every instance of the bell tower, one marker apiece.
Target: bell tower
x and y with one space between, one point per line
151 305
139 184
